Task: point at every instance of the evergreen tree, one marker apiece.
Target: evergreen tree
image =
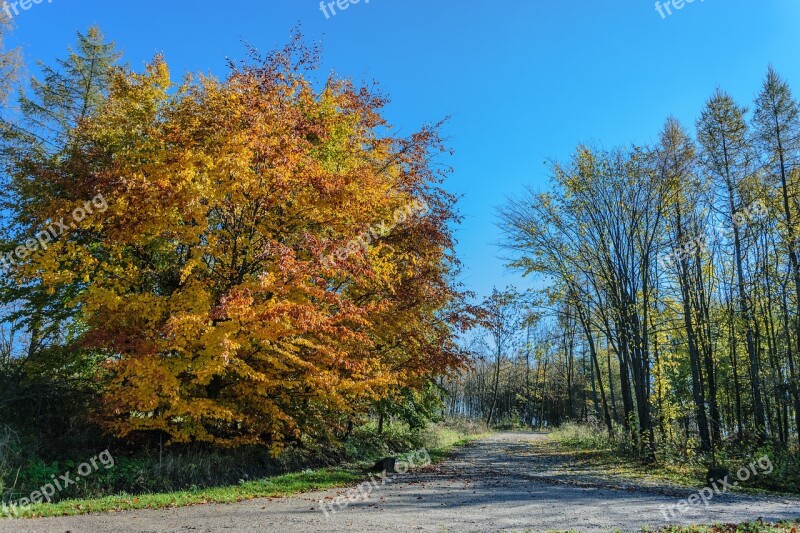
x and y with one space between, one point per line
41 164
777 125
727 158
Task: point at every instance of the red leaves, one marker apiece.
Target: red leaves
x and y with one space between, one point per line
208 285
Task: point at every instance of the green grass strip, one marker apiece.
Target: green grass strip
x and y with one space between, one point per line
272 487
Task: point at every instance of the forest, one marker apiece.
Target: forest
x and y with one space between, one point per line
219 279
668 311
214 264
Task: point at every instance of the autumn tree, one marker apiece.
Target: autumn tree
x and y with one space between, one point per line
230 283
777 124
48 386
727 157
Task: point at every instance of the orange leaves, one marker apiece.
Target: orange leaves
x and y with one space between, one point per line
204 282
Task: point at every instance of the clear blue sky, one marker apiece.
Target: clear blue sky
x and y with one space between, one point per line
524 81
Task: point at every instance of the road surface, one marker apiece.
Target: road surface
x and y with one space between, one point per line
495 484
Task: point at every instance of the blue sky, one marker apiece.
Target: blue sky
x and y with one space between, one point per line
524 81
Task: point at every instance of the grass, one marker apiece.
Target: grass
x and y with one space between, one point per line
593 452
444 439
272 487
749 527
595 455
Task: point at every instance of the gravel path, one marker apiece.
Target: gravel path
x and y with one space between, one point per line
495 484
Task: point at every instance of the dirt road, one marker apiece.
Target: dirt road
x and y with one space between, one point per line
495 484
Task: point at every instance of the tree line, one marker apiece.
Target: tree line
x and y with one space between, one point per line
671 299
222 295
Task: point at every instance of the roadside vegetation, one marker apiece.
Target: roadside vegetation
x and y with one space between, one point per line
749 527
216 477
247 286
235 287
593 450
667 307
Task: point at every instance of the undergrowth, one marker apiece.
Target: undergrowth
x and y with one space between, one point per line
678 461
194 468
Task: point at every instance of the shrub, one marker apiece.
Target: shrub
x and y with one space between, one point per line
577 435
201 466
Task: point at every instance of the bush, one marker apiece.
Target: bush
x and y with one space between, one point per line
201 466
577 435
785 476
10 458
